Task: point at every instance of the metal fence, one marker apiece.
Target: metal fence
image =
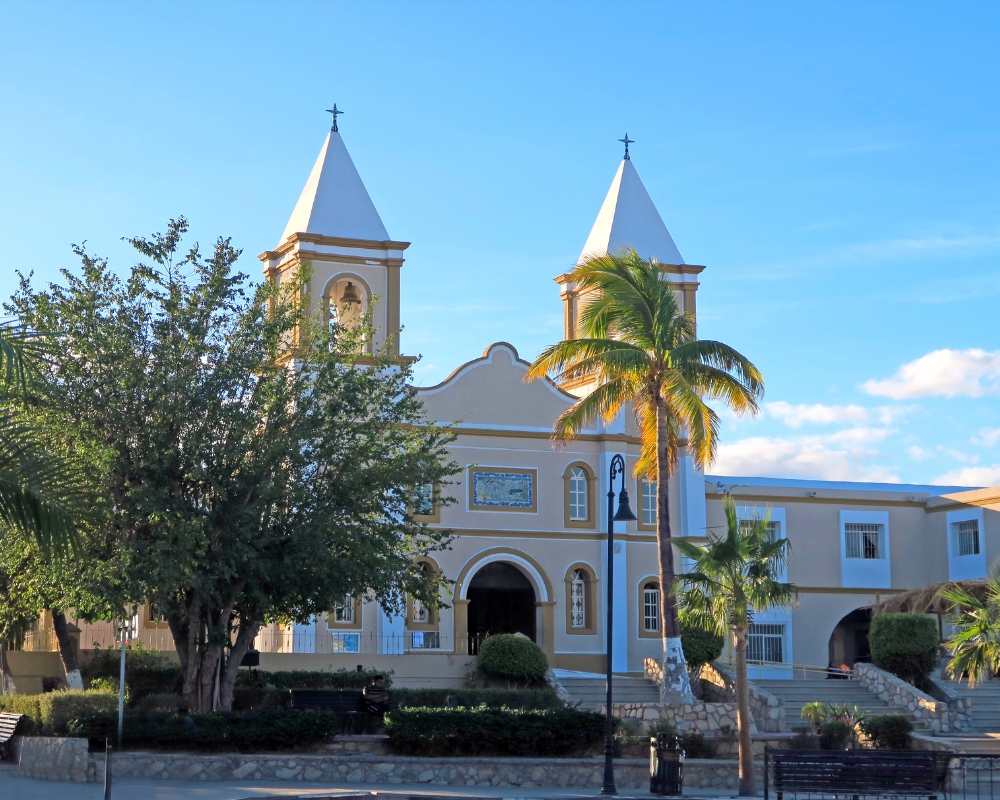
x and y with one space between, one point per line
365 642
284 641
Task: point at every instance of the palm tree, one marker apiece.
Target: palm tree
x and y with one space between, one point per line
975 643
39 496
732 578
639 348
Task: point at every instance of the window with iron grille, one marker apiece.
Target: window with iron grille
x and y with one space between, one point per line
766 643
578 494
966 535
648 502
773 528
864 540
423 500
651 608
578 600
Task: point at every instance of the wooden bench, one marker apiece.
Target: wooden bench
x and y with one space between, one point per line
347 703
8 723
854 773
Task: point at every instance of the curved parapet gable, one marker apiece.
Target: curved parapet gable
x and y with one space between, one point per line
491 392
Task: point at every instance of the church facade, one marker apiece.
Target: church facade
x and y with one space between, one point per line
530 518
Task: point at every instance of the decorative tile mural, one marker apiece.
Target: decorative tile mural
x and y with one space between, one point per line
500 489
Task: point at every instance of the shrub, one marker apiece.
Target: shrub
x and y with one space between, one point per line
540 698
804 739
49 713
905 645
815 712
835 735
888 732
693 742
508 655
146 671
213 731
306 679
492 731
700 646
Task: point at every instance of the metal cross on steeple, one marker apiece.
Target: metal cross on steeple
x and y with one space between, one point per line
335 112
626 140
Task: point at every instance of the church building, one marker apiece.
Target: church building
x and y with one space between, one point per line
530 521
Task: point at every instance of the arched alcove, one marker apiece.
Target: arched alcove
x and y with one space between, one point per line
501 600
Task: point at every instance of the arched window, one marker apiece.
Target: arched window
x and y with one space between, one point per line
578 494
580 603
650 603
578 600
578 504
422 620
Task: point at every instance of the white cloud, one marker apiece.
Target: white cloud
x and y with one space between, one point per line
988 437
971 476
972 373
795 416
846 455
919 453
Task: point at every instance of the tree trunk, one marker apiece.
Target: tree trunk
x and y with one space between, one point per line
67 650
748 785
244 640
7 685
676 683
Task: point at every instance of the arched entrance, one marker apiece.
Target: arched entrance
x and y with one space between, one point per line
501 600
849 640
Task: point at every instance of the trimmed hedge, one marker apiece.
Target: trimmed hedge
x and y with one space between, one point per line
508 655
50 713
492 731
305 679
888 731
700 646
905 645
532 699
213 731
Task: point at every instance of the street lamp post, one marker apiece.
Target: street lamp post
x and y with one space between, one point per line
624 515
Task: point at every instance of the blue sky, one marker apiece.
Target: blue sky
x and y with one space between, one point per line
835 165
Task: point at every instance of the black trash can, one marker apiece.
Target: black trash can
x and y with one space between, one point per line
666 765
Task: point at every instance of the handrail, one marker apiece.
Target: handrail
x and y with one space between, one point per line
804 669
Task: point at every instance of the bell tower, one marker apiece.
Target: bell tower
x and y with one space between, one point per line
335 228
628 218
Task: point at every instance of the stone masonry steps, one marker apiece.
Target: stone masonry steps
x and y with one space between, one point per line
985 703
796 694
590 690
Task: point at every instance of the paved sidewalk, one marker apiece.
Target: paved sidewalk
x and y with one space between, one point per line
140 789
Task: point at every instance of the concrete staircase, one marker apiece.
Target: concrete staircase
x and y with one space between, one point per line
985 703
590 691
796 694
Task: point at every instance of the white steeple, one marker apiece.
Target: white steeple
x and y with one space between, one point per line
628 218
335 201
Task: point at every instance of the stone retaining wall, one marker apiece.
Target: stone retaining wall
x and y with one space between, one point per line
940 717
631 773
52 758
768 711
696 716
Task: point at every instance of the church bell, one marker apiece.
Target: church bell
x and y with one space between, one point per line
351 296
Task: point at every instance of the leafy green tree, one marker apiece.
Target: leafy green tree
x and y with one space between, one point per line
731 579
249 481
974 644
638 348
